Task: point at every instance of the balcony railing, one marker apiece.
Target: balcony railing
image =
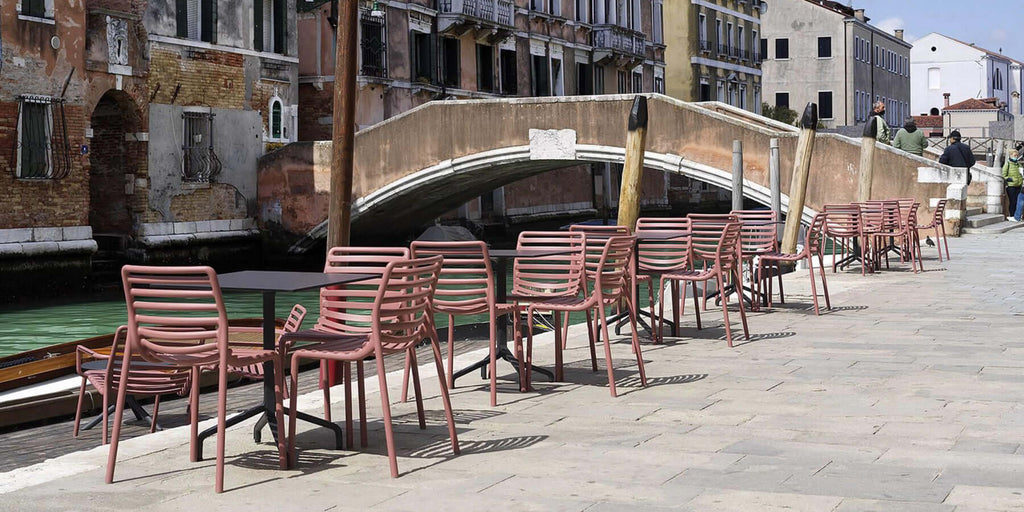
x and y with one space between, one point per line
723 49
705 45
618 38
497 11
757 57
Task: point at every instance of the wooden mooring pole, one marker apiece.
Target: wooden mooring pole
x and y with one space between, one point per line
867 159
632 170
801 170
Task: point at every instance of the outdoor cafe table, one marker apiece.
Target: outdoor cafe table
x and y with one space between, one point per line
501 257
269 282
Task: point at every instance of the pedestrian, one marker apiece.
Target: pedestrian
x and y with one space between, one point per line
910 139
882 134
1013 178
957 154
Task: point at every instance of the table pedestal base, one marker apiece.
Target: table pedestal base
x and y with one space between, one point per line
265 421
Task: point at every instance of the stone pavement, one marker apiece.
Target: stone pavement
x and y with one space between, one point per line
904 397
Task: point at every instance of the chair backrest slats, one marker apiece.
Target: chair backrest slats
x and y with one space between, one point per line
557 275
760 231
663 255
467 278
707 231
401 312
346 308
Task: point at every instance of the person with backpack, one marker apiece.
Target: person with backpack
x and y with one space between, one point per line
1013 178
957 154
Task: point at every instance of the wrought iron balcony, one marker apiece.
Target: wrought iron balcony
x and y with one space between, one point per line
705 45
460 16
620 40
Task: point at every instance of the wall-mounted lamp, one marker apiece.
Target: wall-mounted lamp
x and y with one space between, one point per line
377 11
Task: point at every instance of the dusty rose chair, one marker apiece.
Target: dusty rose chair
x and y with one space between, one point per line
707 230
611 284
145 379
597 235
939 226
556 276
399 316
176 316
813 248
719 247
844 223
655 258
466 287
759 236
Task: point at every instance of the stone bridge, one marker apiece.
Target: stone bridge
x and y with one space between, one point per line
431 159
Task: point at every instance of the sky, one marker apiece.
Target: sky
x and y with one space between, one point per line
990 24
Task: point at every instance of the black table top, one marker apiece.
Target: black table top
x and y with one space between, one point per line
284 281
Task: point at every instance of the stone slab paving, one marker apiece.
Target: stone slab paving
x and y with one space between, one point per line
906 397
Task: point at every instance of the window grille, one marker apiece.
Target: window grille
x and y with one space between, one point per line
42 150
373 45
199 162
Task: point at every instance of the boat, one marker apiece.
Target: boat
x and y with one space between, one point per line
41 384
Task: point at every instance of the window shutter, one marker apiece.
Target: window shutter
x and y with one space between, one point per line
181 16
208 17
257 25
280 22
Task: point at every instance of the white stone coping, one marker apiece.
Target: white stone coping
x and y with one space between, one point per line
161 234
21 242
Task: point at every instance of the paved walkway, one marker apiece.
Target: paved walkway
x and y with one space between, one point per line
905 397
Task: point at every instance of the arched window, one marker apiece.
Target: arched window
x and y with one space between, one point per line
277 124
275 120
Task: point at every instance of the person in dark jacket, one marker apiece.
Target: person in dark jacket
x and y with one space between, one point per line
957 154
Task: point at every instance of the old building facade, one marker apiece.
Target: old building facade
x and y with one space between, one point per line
134 127
714 52
423 50
827 53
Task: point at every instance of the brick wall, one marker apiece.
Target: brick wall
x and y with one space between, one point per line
207 77
214 201
315 105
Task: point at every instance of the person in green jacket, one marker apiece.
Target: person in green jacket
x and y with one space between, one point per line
883 135
910 139
1013 178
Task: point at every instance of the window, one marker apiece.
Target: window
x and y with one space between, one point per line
598 79
37 8
729 44
557 84
583 11
659 84
781 48
754 42
718 37
721 91
584 79
933 78
782 99
509 75
199 163
731 88
757 99
372 45
824 47
270 18
825 104
276 118
702 31
638 82
657 14
541 76
878 56
484 68
42 146
450 62
856 48
422 61
705 90
740 44
997 80
197 20
764 49
623 82
743 96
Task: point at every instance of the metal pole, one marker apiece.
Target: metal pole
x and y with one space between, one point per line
801 170
775 181
737 175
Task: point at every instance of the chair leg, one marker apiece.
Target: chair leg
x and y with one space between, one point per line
608 352
293 404
526 363
492 365
559 376
678 304
519 349
446 400
417 389
280 389
156 413
78 411
814 290
122 393
565 329
325 387
361 395
696 304
222 409
405 379
938 242
106 414
636 344
593 350
193 417
658 324
385 405
725 309
945 242
451 351
743 313
782 293
347 375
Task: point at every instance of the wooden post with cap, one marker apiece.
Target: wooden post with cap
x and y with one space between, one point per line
632 169
801 170
867 159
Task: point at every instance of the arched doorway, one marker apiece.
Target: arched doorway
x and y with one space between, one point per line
116 158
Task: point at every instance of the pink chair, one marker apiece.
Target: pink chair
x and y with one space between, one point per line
145 379
399 317
813 248
844 223
758 236
707 231
556 276
466 287
722 255
939 226
655 258
611 284
357 260
176 316
597 235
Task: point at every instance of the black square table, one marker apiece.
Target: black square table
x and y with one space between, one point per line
269 282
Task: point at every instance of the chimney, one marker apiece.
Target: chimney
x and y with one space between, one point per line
859 14
898 33
945 97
